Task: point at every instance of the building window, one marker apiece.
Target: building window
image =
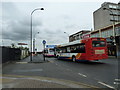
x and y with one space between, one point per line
117 31
114 18
113 6
77 37
95 35
110 32
103 34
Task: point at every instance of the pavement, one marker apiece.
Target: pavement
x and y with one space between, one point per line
35 59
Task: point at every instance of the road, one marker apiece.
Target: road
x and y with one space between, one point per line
101 74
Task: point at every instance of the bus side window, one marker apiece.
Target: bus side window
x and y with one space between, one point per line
81 48
72 49
68 50
64 50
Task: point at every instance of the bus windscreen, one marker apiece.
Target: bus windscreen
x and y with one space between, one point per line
98 43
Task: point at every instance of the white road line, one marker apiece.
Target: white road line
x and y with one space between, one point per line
106 85
82 75
117 79
68 69
116 83
56 64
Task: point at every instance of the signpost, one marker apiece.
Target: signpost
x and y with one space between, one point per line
44 42
50 46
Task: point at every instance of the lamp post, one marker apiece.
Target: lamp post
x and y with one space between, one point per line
34 41
31 29
67 34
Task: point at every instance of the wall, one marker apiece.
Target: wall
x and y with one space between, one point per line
12 54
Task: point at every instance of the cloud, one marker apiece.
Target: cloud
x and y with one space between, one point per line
56 19
10 11
53 36
17 29
16 26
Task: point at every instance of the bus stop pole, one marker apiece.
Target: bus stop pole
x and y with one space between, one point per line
44 52
44 42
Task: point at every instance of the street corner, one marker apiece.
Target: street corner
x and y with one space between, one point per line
18 81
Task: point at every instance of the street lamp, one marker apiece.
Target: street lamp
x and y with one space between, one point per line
31 30
67 34
34 41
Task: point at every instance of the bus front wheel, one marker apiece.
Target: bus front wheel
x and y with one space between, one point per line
74 59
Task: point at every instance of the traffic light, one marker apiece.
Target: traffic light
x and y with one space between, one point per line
111 37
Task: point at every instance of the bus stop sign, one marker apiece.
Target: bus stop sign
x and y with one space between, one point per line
44 42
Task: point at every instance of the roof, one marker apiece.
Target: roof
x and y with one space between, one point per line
70 43
82 32
75 42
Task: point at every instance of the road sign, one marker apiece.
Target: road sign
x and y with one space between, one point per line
44 42
50 46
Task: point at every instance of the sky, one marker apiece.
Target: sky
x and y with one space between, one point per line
51 23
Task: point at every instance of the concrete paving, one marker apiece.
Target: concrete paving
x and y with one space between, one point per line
35 59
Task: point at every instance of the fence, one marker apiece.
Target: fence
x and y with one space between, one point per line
12 54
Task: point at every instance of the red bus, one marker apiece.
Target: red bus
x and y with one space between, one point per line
85 49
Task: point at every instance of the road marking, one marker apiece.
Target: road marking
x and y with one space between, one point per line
22 62
117 79
68 69
116 83
82 75
31 70
56 64
106 85
8 78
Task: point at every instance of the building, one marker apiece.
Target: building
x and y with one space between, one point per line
113 42
106 25
106 15
107 32
78 35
